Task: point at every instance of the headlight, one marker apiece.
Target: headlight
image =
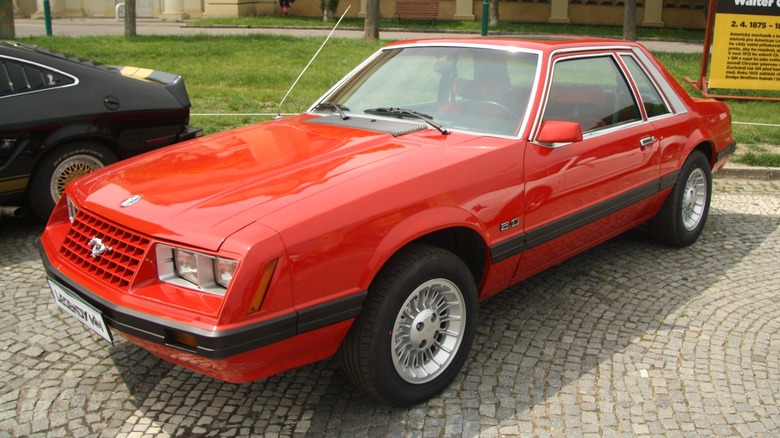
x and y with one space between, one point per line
194 270
223 269
186 264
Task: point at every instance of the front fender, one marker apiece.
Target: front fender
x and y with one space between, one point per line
416 227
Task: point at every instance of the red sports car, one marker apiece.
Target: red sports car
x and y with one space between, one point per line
434 175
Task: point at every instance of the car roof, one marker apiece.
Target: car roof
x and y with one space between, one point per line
543 43
42 55
65 62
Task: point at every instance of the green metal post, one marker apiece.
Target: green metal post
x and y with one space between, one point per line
484 17
47 16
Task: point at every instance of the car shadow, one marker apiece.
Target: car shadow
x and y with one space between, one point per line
19 239
533 340
537 337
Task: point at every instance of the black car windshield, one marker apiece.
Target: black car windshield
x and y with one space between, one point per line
472 89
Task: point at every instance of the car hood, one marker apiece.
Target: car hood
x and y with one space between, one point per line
210 187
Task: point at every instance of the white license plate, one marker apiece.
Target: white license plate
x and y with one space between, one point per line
86 314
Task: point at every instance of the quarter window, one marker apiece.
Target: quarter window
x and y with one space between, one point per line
592 92
17 78
651 99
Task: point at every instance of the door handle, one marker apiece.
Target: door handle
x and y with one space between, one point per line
646 141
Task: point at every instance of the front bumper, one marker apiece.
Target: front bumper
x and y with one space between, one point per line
210 344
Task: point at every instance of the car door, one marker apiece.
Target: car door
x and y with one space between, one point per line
581 192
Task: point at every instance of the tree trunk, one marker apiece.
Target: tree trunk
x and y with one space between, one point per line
629 20
130 18
494 12
327 10
7 29
372 20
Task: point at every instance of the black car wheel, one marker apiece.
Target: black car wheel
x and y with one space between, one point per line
682 217
59 168
416 329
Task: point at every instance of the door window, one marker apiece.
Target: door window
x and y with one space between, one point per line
591 91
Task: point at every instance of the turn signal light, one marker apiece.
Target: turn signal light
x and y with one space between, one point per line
262 287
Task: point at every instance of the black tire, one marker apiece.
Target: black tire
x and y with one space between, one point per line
61 166
407 288
684 213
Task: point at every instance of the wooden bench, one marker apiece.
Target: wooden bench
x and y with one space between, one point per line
419 10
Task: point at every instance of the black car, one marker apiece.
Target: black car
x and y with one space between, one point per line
62 117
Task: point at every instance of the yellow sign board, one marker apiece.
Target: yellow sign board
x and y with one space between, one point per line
746 45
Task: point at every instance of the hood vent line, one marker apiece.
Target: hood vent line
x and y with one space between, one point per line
393 127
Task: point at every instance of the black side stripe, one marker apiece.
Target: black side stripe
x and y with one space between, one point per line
525 241
331 312
669 179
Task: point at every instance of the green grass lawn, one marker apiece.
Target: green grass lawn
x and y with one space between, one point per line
250 74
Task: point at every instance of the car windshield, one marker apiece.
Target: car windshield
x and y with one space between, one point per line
472 89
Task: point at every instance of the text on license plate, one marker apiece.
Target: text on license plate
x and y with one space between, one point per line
88 315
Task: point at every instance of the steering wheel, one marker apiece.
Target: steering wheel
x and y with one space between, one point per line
505 112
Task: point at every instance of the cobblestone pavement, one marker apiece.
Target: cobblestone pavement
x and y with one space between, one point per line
629 339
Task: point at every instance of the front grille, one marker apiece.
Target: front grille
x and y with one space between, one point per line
115 266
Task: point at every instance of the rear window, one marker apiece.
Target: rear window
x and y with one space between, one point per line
18 77
652 99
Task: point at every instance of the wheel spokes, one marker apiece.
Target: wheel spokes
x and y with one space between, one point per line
694 199
428 331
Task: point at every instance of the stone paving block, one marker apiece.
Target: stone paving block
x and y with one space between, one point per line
628 339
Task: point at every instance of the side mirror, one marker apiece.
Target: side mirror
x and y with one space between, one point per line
555 131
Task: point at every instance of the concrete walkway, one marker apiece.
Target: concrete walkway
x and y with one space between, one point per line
105 26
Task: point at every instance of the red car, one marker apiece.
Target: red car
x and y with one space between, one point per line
433 176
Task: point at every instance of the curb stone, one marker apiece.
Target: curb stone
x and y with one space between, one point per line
749 172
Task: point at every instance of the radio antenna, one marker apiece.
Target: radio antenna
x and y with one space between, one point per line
279 110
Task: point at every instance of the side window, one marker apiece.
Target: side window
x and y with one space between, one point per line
591 91
653 101
17 78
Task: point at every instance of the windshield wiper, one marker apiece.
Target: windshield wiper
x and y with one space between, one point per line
335 107
403 112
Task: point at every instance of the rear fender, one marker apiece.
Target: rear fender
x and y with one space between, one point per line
74 133
78 131
714 135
